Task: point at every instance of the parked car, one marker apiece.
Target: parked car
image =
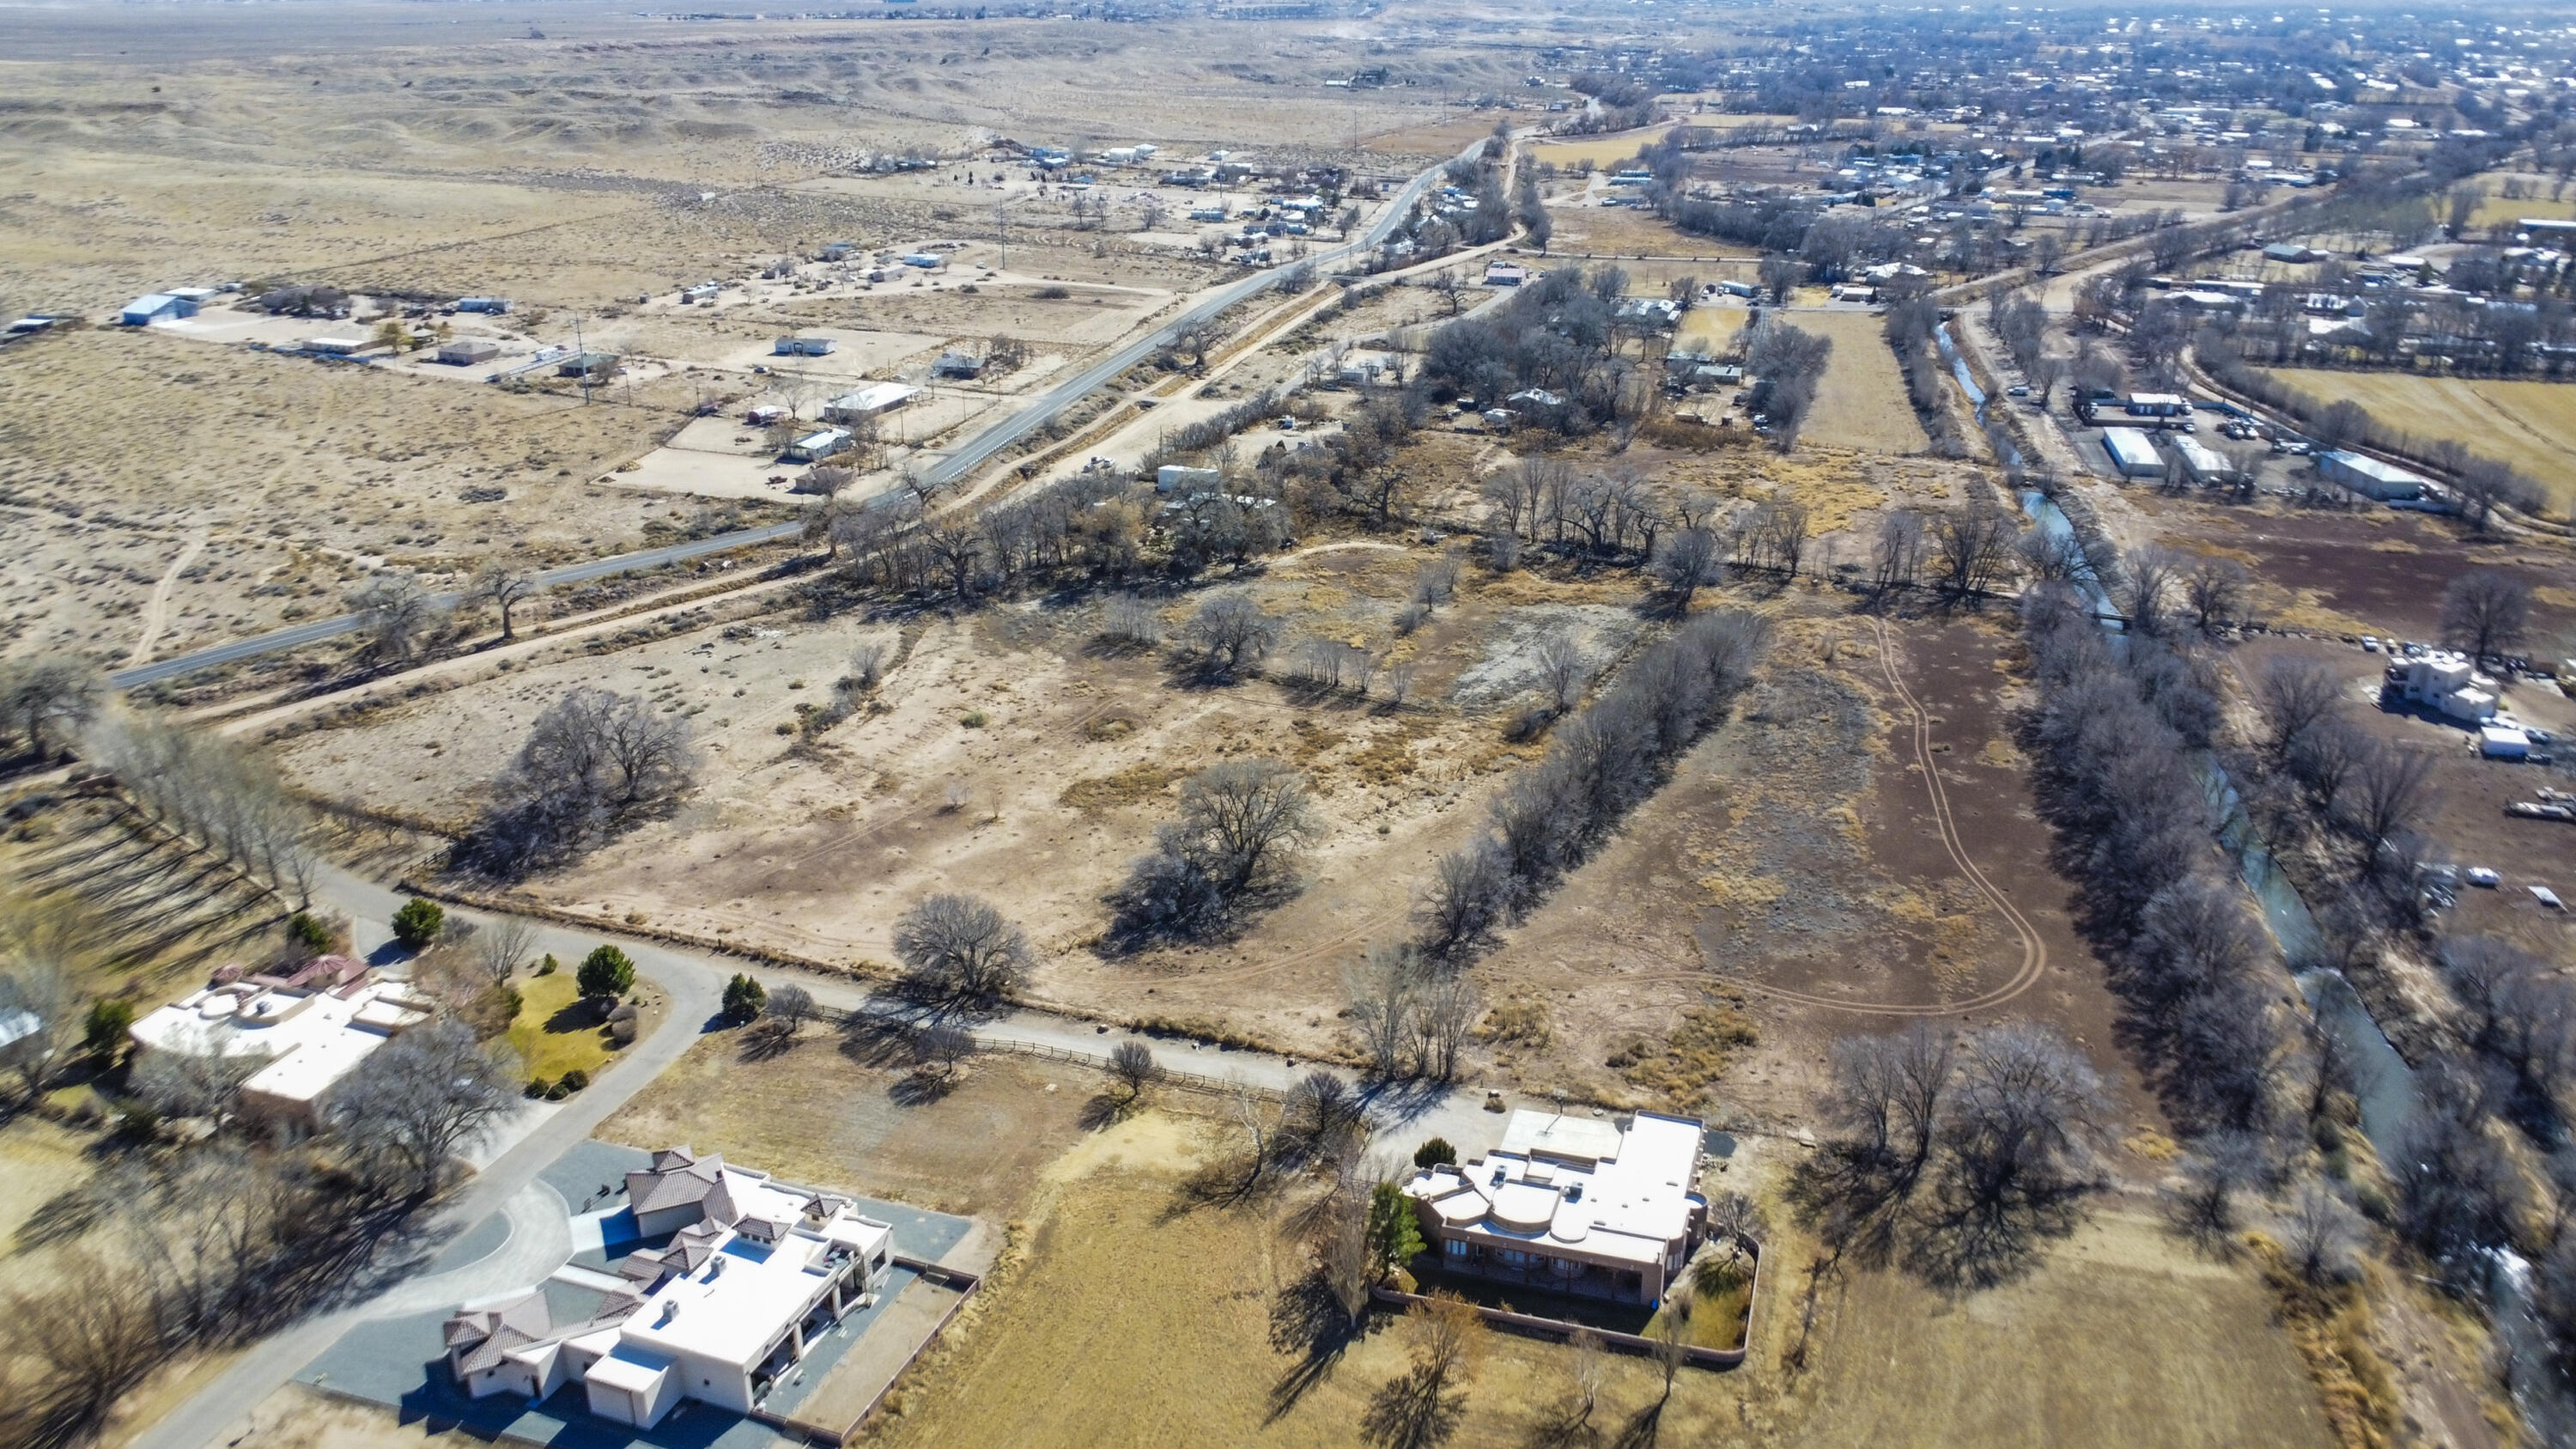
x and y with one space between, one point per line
2480 876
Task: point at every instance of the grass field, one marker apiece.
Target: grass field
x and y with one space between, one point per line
555 1033
2496 209
1862 403
1601 151
2531 425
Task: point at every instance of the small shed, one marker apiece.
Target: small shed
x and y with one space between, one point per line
955 364
2205 465
467 351
2498 742
765 414
2133 453
155 307
588 364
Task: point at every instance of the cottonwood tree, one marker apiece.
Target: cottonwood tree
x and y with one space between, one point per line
46 699
2215 589
1381 994
504 587
2150 576
1445 1341
2018 1131
1898 553
1469 896
591 761
2391 789
1230 629
1974 545
395 611
2293 696
2485 485
412 1104
958 947
2485 613
1246 819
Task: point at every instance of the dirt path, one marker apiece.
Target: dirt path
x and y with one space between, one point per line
2034 951
156 610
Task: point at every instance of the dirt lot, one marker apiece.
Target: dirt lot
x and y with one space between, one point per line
293 475
2367 571
2530 425
830 1114
1618 231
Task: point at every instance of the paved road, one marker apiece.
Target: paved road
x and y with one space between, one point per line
967 457
303 634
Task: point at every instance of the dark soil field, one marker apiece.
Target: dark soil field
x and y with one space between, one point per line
2377 571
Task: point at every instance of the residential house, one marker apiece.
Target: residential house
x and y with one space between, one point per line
957 365
803 346
874 400
310 1028
467 351
754 1270
1607 1208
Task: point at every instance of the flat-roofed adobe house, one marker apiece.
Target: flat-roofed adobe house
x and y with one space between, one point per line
1584 1205
753 1271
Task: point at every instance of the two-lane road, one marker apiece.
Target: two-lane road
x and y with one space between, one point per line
299 635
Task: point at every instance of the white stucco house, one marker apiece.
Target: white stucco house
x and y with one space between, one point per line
309 1029
1574 1204
755 1269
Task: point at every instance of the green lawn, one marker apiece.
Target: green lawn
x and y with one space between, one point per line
556 1031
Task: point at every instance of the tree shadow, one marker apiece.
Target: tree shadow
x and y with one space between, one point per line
1308 1321
1414 1410
922 1087
1962 1241
1104 1110
1643 1428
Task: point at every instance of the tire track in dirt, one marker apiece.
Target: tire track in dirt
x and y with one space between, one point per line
156 610
2034 951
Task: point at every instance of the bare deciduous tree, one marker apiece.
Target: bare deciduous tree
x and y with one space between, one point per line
395 611
2485 613
497 583
1245 819
1563 671
1231 630
1132 1068
414 1103
46 698
960 947
502 944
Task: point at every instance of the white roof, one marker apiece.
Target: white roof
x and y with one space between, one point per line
875 397
2128 446
748 1293
621 1370
315 1037
1620 1194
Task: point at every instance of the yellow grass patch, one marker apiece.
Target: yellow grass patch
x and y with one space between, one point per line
554 1033
1601 151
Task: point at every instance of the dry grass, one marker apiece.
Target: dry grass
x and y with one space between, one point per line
819 1114
1131 786
2530 425
2331 1329
1862 403
1604 152
1690 1058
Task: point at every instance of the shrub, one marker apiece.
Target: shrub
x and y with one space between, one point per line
1435 1152
309 934
103 1033
606 972
417 923
744 998
574 1080
547 967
